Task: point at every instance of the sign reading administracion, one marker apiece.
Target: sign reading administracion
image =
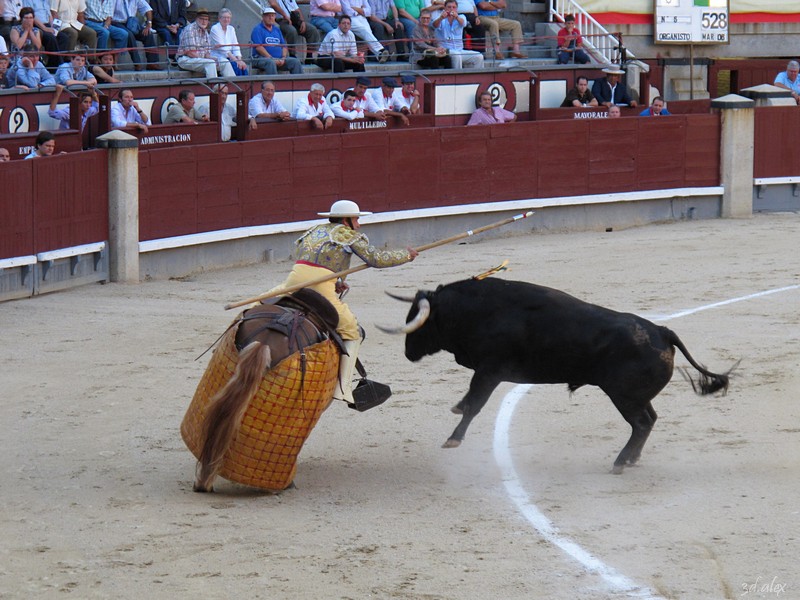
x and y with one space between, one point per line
691 21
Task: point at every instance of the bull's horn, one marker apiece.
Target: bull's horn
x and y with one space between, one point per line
424 312
398 297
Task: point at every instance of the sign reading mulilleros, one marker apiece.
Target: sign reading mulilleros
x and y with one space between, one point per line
691 21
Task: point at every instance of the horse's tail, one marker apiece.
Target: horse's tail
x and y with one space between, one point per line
708 382
226 411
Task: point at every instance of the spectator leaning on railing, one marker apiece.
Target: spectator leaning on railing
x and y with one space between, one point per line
789 80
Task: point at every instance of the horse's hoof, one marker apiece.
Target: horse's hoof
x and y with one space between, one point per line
456 410
617 469
451 443
202 490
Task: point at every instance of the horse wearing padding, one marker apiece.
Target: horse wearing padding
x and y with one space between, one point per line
269 380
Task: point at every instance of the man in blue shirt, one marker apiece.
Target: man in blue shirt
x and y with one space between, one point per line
32 74
656 109
270 53
789 80
74 71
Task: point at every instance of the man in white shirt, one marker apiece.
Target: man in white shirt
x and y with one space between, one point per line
407 97
364 101
266 106
314 108
383 99
125 113
347 109
338 51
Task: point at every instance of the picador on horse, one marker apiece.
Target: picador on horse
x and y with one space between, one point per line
281 363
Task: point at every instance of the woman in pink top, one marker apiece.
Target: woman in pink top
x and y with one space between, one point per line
488 114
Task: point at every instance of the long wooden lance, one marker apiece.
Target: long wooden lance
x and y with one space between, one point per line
346 272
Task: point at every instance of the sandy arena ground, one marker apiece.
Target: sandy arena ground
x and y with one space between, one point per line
97 483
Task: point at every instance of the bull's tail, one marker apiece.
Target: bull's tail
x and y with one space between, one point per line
708 382
226 411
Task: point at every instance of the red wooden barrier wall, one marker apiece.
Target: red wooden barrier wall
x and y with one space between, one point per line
52 203
209 187
776 151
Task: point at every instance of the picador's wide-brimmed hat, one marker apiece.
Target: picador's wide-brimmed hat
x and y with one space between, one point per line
613 70
344 208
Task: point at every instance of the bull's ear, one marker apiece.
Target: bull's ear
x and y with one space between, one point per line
398 297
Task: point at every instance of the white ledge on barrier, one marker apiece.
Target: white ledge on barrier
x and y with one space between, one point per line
762 182
17 261
239 233
74 253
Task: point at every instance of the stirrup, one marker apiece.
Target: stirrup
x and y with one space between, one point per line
368 394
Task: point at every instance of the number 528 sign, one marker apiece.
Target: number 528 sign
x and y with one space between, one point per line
691 21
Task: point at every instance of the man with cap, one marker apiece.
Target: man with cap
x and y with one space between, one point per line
383 99
406 98
194 51
610 90
364 101
328 248
338 51
270 53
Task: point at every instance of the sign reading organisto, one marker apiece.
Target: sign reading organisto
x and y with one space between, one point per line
691 21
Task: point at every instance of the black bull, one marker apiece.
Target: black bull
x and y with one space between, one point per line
524 333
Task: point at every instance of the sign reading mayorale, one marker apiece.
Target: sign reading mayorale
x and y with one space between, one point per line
691 21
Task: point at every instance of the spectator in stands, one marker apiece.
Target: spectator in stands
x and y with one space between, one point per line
42 18
580 94
346 108
227 113
75 72
225 44
266 106
614 112
71 13
489 13
427 51
656 109
88 107
435 8
338 51
270 53
98 16
3 46
194 52
5 155
45 145
314 108
32 74
488 114
126 114
323 15
169 19
359 11
475 26
386 26
104 72
7 80
610 90
409 11
449 29
293 26
383 99
789 80
126 16
183 111
407 97
26 37
570 43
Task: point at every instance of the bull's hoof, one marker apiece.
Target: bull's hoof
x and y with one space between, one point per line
451 443
617 469
456 410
